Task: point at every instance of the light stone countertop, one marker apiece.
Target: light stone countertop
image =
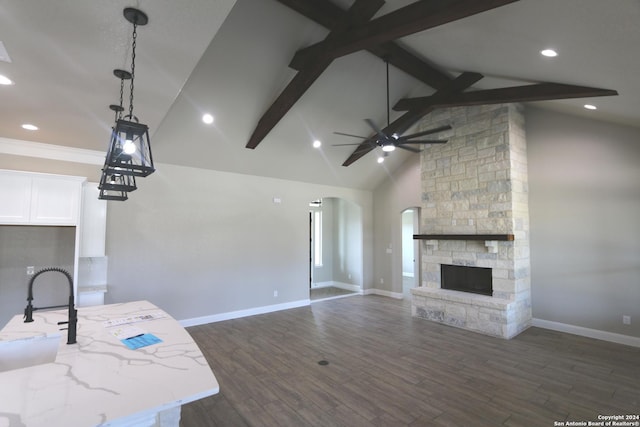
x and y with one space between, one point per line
99 381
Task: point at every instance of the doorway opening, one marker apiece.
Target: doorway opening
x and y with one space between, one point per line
410 251
335 249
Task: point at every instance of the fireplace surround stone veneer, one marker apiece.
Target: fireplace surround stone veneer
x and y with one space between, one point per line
476 184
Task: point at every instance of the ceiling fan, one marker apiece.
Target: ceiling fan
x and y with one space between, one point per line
389 143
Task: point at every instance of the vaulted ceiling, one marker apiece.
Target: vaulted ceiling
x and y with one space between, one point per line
234 59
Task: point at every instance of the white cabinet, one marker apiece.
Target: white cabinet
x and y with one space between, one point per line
93 222
15 198
39 199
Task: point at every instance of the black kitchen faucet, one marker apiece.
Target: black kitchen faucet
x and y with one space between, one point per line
73 313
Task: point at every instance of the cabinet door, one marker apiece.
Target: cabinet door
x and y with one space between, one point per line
15 198
55 201
93 225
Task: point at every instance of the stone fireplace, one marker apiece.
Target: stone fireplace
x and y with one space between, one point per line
475 214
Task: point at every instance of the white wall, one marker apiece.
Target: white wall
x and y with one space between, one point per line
199 242
584 200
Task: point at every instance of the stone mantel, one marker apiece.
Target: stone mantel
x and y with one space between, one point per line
490 240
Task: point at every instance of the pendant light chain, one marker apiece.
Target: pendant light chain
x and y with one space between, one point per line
119 112
133 68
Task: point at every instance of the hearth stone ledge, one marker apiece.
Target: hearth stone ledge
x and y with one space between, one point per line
497 317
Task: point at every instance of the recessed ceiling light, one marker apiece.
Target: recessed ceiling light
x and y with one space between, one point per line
590 107
549 53
29 126
380 159
207 118
4 80
317 144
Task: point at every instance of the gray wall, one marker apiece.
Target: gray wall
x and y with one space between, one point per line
584 201
199 242
38 246
341 242
401 191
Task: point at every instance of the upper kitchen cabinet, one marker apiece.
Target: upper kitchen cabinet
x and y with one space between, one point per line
39 199
15 198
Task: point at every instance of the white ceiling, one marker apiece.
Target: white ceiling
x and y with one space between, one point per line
190 62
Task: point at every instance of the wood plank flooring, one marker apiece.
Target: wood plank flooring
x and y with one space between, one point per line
387 368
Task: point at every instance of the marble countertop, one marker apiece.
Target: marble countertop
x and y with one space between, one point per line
99 381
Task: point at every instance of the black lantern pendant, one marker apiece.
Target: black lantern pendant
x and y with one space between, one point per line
129 149
129 154
114 185
120 196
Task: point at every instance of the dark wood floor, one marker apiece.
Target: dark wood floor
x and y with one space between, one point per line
389 369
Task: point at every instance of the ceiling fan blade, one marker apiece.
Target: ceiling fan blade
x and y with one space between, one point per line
426 132
376 128
413 150
423 141
348 134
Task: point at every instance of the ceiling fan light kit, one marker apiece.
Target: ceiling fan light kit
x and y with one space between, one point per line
129 153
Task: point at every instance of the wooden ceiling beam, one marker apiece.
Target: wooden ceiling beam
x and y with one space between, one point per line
360 11
329 16
527 93
416 17
411 64
323 12
408 119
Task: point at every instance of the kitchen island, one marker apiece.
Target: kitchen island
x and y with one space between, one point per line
100 381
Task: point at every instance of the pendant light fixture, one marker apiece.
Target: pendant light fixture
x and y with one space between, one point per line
129 154
114 185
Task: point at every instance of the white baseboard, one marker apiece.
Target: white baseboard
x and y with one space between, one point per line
347 287
383 293
586 332
340 285
243 313
316 285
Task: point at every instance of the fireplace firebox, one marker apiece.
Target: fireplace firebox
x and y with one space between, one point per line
476 280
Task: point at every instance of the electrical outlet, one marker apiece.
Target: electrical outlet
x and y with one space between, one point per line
275 294
381 281
30 270
626 320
